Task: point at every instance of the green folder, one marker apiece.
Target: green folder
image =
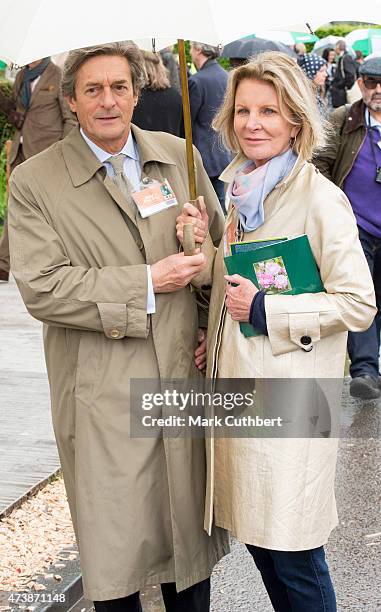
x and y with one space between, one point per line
287 267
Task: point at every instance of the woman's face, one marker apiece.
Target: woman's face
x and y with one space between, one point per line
331 56
261 130
320 76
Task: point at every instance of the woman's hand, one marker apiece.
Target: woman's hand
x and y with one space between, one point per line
198 218
238 299
200 352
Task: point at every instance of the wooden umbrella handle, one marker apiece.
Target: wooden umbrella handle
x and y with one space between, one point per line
189 243
187 120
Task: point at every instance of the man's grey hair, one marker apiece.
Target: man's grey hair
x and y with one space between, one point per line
342 45
207 50
78 57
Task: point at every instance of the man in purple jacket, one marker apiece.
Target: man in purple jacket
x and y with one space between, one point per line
353 161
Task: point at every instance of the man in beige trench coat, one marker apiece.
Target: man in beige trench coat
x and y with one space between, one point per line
113 293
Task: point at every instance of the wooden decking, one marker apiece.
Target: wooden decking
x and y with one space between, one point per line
28 453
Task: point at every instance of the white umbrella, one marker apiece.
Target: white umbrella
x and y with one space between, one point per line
287 37
327 41
330 42
31 29
365 40
372 55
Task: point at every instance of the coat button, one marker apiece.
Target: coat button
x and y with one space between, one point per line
114 333
305 340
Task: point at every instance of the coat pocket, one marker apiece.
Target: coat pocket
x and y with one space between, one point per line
88 365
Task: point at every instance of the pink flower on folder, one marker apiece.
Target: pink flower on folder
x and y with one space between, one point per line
272 275
265 280
280 281
273 268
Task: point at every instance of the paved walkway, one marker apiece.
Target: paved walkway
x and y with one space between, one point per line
28 451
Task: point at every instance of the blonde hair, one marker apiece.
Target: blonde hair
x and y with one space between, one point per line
156 73
296 99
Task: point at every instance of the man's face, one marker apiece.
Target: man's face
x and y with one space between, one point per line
104 101
371 94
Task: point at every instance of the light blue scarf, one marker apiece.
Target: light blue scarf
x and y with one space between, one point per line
251 185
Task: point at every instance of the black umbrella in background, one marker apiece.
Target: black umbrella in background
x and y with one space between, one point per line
245 48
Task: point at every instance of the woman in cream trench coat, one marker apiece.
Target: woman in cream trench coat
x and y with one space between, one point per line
277 495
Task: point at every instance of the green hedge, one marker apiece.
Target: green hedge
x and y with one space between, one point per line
6 133
6 129
341 29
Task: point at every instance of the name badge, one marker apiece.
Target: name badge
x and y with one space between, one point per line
153 197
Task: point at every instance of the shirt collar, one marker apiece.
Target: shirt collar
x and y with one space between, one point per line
83 164
371 121
129 149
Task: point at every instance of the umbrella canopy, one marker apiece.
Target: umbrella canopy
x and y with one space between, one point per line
287 38
247 47
375 54
32 29
324 43
365 40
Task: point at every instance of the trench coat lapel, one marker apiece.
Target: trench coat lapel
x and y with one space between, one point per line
82 165
151 149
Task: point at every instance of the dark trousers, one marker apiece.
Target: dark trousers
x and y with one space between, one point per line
219 188
4 240
364 347
296 581
194 599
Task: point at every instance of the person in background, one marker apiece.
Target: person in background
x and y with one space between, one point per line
315 68
352 160
41 117
299 50
159 107
359 60
235 62
329 55
277 495
206 93
345 75
172 66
